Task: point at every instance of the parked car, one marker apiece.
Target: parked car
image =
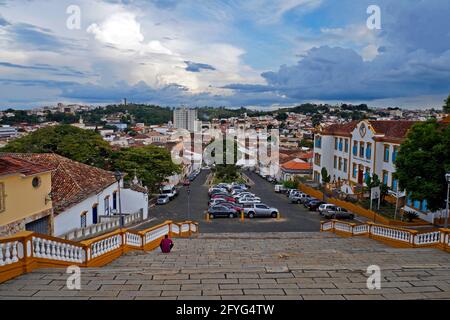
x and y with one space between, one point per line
163 199
227 198
260 210
314 205
217 190
338 213
186 182
248 198
297 198
216 201
169 190
325 206
249 201
244 194
292 192
234 206
222 211
306 199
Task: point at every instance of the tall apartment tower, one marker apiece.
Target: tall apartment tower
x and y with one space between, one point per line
184 118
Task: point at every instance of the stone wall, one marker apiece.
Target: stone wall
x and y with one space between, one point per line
19 225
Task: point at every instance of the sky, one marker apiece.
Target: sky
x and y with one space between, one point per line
233 53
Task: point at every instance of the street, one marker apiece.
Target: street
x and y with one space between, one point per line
294 218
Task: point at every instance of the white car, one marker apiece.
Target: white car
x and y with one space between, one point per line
244 194
163 199
324 207
249 201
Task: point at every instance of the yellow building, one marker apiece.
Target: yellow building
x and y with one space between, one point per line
25 197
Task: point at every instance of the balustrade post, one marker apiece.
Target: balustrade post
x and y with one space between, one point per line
412 236
369 229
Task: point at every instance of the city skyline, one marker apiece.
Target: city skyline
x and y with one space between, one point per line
260 53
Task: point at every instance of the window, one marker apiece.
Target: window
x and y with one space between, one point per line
336 143
106 203
340 164
346 146
361 149
424 206
341 145
115 200
394 154
394 184
355 148
335 162
345 165
318 142
2 197
355 170
317 159
386 153
83 218
36 182
369 151
385 178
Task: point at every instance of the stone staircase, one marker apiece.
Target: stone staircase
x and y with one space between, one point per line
252 266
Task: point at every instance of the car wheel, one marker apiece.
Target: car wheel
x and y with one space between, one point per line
274 215
251 215
352 216
231 215
298 202
211 216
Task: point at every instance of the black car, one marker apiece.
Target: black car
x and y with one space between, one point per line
222 211
306 201
314 205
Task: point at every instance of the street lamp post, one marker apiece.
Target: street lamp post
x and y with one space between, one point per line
118 176
189 202
447 177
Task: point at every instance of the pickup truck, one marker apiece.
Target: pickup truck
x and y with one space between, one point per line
259 210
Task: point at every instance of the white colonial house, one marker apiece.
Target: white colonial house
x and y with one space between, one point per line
83 195
352 151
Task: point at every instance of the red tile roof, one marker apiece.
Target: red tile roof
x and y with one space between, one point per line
296 165
391 129
11 165
72 182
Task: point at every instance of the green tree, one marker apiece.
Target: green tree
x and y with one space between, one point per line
325 176
316 119
447 105
422 162
151 164
84 146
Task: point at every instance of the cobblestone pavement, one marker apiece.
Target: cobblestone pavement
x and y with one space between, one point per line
252 266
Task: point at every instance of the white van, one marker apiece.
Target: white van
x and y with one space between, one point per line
170 190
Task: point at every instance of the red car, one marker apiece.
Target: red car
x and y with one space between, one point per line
227 198
233 206
186 182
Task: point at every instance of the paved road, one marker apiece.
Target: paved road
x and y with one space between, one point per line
294 218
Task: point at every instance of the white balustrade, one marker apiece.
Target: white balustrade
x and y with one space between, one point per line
394 234
427 238
184 227
106 245
133 239
9 252
343 227
193 227
361 229
54 250
157 233
327 226
174 228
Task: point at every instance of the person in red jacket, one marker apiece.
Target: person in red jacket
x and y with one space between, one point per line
166 244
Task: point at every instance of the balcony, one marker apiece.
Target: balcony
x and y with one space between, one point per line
106 224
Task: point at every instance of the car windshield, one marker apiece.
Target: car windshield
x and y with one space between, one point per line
162 196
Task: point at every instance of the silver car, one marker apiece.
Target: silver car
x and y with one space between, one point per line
163 199
260 210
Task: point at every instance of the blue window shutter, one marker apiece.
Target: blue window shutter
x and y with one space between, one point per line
424 205
408 201
417 204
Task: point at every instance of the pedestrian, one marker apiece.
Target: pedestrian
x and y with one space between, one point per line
166 244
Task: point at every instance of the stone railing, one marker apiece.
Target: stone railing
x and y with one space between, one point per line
27 250
107 224
398 237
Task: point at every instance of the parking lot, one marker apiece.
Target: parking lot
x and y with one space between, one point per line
294 218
